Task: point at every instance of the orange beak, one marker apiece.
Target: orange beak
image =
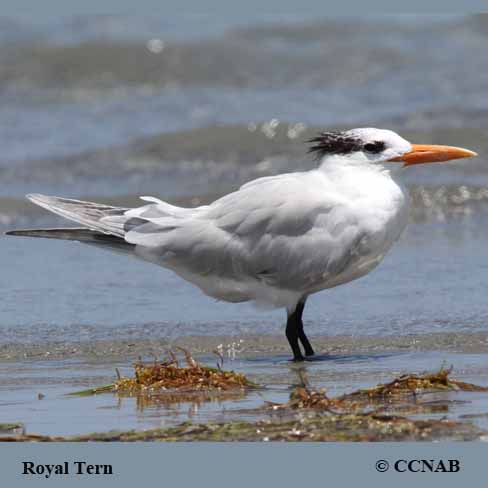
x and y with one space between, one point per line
428 153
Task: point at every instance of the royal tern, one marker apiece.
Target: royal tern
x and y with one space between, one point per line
277 239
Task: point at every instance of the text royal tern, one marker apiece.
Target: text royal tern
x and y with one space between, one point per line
277 239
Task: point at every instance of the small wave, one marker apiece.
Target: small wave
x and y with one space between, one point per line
370 55
239 145
447 202
216 157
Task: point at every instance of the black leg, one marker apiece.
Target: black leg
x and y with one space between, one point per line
294 333
292 336
301 334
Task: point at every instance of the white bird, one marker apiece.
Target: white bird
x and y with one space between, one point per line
277 239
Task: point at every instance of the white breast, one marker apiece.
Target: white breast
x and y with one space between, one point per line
378 206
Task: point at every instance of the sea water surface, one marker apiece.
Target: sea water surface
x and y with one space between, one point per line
112 107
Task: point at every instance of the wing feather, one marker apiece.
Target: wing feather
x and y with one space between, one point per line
283 230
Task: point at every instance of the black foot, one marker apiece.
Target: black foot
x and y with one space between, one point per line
302 359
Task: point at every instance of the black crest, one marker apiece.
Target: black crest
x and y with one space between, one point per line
335 142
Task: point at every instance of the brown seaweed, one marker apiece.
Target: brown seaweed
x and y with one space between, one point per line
168 375
410 385
168 382
370 427
394 393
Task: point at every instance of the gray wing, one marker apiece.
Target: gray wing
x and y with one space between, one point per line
283 231
106 219
89 214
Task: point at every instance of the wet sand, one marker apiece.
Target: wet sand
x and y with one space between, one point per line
251 346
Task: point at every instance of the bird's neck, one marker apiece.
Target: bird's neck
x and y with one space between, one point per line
362 177
340 166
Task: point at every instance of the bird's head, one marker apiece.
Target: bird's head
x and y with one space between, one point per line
379 148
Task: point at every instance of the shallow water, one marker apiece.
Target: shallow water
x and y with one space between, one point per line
59 414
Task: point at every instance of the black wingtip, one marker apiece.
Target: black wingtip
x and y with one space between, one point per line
17 233
24 232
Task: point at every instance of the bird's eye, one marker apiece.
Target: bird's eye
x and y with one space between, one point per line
374 147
